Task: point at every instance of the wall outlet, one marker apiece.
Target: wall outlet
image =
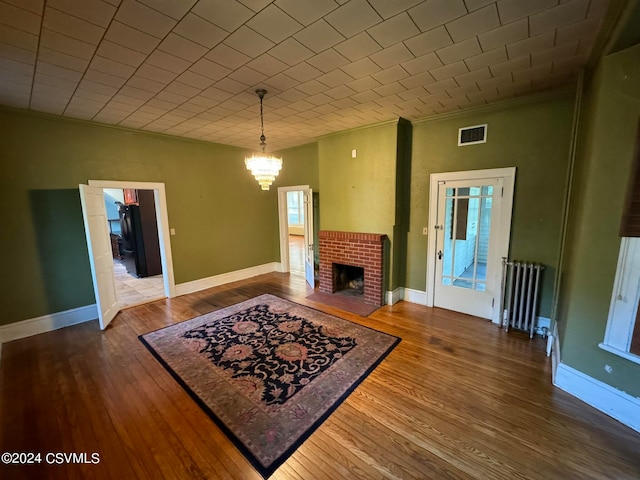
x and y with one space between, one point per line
172 231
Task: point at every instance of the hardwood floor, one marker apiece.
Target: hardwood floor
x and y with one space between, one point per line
457 399
296 254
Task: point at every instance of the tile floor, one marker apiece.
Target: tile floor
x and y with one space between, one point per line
132 291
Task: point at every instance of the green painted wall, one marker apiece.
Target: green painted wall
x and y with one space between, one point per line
534 137
358 194
216 207
609 124
299 167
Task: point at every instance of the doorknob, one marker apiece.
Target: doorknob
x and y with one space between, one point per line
439 254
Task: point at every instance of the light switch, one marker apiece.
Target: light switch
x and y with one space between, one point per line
425 230
172 231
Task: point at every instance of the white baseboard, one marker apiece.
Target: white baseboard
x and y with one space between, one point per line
53 321
46 323
214 281
395 296
615 403
414 296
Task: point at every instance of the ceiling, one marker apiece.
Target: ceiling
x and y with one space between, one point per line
190 68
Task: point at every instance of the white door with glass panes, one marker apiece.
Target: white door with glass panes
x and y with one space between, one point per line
471 236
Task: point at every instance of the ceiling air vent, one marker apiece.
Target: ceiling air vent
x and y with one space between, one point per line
472 135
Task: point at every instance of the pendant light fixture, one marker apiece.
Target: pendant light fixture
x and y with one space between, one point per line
264 167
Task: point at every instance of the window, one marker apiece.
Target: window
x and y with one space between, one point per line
622 336
295 208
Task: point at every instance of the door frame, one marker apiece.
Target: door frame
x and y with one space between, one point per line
162 219
508 174
283 223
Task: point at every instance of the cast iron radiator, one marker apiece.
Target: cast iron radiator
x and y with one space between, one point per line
520 294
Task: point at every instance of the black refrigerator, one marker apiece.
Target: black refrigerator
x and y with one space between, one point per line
140 248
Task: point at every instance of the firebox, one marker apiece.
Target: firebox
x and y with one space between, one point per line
364 251
348 280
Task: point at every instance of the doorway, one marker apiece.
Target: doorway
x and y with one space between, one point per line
99 243
470 225
295 212
134 242
296 229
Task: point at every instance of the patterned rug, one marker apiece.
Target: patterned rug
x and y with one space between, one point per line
269 371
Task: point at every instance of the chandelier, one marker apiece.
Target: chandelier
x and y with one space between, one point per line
264 167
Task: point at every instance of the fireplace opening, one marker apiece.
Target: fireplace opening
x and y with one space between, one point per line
348 280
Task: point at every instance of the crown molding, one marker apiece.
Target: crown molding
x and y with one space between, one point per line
501 105
78 121
362 127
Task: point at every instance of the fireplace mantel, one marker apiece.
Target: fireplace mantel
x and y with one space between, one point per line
364 250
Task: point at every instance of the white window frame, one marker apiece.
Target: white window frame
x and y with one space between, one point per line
624 301
299 207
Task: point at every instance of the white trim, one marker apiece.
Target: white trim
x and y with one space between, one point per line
216 280
553 348
508 175
611 401
624 298
415 296
420 297
47 323
629 356
160 197
395 296
283 223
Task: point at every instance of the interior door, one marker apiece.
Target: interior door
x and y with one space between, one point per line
308 238
468 261
100 255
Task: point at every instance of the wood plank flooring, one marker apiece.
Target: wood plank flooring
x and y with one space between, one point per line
458 399
296 254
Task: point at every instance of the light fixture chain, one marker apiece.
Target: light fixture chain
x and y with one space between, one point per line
263 139
261 119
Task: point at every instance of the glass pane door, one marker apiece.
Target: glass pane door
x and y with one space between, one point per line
467 226
470 236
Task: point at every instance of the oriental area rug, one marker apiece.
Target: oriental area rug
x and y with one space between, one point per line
268 371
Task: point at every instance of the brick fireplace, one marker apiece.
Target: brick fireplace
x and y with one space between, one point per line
364 250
